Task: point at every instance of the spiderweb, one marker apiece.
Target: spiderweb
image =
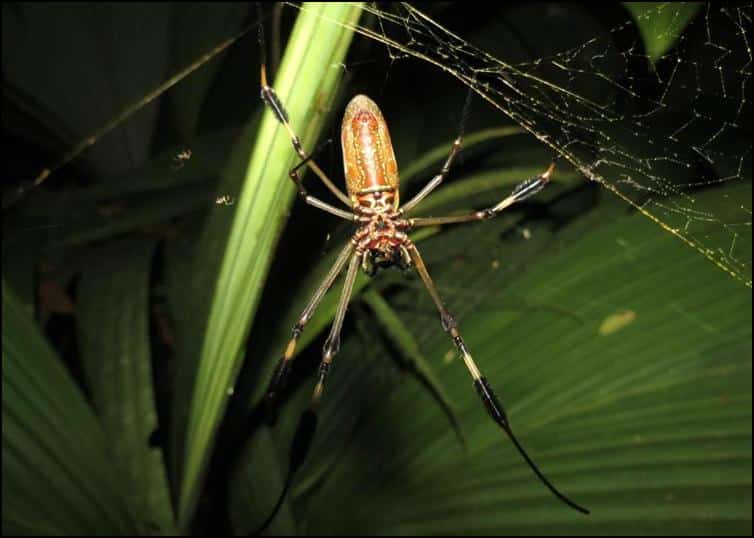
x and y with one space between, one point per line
655 135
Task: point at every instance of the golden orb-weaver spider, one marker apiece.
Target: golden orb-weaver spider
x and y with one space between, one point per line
380 240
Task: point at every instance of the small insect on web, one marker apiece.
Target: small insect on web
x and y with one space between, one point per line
380 240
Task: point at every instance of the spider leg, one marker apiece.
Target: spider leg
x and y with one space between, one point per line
280 376
307 425
332 344
522 191
439 178
311 200
435 181
490 401
271 99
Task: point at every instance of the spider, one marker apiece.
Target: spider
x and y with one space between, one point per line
380 240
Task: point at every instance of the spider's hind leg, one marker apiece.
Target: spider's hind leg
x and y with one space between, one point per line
489 399
332 344
307 425
280 376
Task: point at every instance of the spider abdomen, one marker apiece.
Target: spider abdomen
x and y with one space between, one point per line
368 157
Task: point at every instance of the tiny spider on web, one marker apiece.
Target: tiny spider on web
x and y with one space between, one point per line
379 241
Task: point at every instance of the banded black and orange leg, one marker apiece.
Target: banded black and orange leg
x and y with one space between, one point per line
491 403
311 200
271 99
307 424
521 192
280 375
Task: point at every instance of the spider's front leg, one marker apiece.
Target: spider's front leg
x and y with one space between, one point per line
273 102
455 148
522 191
490 401
435 181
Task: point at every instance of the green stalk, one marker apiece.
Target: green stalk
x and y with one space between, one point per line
306 79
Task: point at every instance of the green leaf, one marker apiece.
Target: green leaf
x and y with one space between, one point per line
661 24
113 315
57 471
137 212
19 272
404 340
55 223
162 189
167 172
305 80
250 506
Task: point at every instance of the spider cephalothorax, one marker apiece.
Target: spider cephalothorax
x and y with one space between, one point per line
381 241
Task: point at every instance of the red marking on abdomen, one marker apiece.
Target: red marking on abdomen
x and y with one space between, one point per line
368 157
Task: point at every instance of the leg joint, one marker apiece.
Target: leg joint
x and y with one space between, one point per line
293 174
331 348
271 99
461 345
298 329
448 322
297 146
458 341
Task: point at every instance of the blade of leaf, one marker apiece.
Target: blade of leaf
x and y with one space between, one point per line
166 170
75 224
113 315
145 210
57 471
389 320
19 268
319 40
249 506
